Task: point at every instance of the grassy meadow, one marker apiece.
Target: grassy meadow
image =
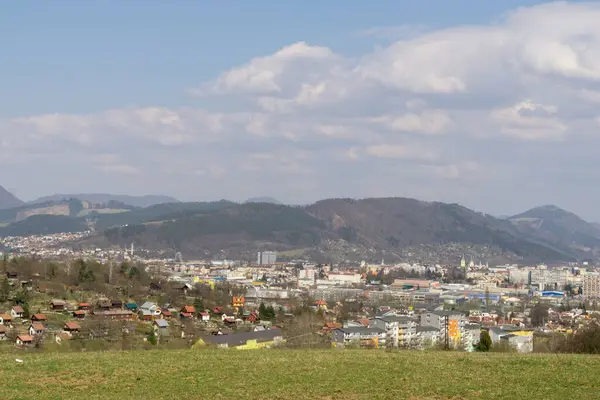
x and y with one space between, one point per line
296 374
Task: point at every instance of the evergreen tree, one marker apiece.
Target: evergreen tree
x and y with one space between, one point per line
262 311
198 304
485 341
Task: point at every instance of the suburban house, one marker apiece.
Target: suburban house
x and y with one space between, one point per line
5 319
23 340
17 312
183 288
151 307
84 306
244 340
36 328
166 314
72 327
116 303
39 318
161 328
360 336
187 312
57 305
79 314
204 316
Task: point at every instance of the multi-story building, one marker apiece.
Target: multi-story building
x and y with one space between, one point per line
400 329
266 257
360 336
451 323
591 285
549 279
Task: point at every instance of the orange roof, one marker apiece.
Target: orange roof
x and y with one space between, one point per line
25 338
6 317
188 309
72 326
40 317
321 302
38 327
79 312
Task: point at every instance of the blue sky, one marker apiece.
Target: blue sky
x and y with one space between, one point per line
84 56
492 104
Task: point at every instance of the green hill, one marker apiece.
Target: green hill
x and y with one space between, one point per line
44 225
297 374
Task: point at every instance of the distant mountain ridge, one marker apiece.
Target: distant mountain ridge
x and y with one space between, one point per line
8 200
559 227
220 228
136 201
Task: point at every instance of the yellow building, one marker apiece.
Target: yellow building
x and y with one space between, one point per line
244 340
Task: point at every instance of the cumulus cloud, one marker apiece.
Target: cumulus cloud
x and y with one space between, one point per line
435 113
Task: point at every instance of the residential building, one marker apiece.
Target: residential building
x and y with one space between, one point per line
36 328
360 336
17 312
449 323
161 328
266 257
591 285
400 329
427 336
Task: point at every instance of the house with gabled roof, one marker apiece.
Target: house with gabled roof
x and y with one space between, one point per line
72 327
5 319
24 340
39 318
36 328
17 312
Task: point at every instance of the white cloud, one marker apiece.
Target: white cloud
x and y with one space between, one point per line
431 111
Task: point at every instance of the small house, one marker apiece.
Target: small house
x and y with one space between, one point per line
161 328
2 332
79 314
57 305
204 316
72 327
84 306
23 340
217 310
187 312
183 288
166 314
131 307
36 328
5 319
39 318
17 312
116 303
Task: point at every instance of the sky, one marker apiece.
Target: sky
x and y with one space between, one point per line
491 104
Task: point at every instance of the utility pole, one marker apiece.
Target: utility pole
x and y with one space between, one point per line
446 337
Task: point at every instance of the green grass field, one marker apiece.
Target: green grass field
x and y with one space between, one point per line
297 374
